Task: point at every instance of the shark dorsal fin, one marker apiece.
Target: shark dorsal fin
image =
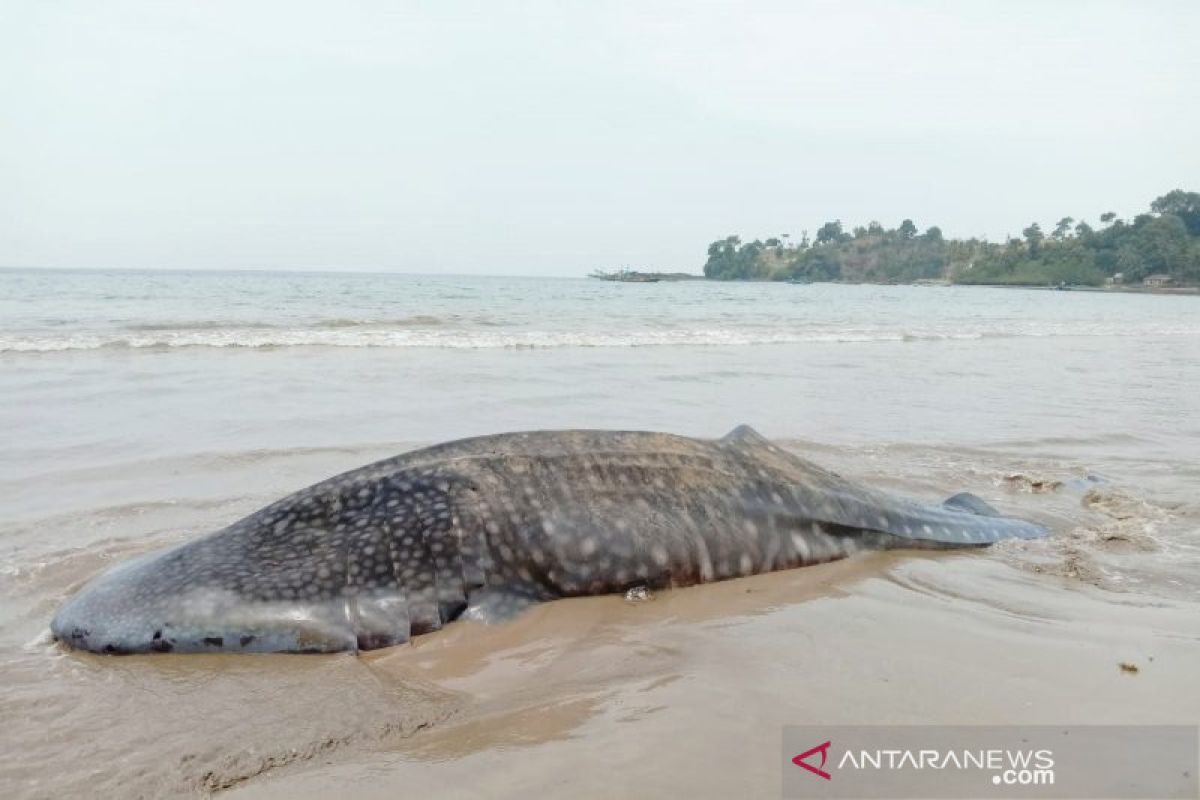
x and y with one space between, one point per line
746 436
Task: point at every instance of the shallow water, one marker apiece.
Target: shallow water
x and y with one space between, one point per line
145 408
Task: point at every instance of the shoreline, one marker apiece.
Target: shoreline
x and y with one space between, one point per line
684 277
1169 290
1178 290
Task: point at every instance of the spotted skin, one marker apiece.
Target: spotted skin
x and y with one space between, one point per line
481 528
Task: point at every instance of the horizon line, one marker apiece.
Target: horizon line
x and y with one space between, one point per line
285 270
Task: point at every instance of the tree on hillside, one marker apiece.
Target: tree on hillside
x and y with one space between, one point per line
1108 216
1060 230
1162 245
723 258
820 265
1033 235
933 234
830 232
907 229
1185 205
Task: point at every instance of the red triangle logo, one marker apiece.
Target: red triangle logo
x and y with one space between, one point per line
823 749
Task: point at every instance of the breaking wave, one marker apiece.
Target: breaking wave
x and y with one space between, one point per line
433 332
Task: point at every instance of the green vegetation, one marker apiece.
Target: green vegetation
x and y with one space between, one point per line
1164 241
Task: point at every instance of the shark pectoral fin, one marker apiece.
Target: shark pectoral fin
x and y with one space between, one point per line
972 504
493 605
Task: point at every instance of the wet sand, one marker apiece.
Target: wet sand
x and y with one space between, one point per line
683 694
686 696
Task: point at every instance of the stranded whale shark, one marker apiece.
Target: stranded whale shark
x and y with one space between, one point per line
481 528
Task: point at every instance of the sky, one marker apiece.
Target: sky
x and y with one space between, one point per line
553 138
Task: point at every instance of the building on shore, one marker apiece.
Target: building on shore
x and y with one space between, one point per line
1157 281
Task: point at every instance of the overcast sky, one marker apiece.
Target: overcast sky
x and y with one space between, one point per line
553 138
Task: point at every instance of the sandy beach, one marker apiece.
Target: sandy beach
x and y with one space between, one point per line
681 695
686 696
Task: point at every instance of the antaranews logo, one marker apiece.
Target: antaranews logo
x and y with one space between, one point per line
823 749
998 762
1009 767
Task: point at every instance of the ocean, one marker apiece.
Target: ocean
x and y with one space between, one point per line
142 408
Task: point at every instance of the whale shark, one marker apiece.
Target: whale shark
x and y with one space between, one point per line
481 528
